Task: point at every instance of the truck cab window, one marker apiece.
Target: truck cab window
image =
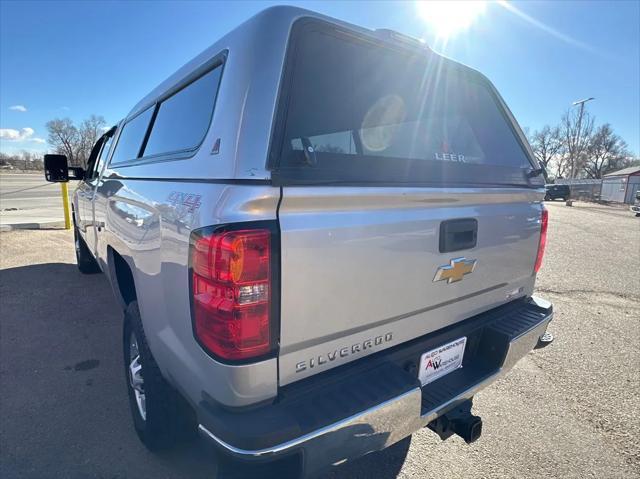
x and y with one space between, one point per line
99 154
93 158
104 152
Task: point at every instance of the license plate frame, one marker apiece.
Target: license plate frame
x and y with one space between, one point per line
440 361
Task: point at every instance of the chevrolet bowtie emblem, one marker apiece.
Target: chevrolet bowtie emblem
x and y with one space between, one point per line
455 270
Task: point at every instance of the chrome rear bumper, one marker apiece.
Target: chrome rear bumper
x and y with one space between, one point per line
386 423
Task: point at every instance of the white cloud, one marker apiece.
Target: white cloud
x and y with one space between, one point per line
11 134
21 108
25 134
65 108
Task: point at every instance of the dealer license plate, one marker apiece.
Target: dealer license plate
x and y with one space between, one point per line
441 361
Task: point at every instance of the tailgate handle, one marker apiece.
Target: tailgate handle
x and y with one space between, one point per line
456 235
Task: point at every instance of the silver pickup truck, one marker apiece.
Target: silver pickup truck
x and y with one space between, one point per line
323 238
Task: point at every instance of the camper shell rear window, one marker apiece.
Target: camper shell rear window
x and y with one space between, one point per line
353 109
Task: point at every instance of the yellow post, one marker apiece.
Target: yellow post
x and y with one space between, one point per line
65 204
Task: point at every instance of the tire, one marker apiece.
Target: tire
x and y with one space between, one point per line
164 419
87 264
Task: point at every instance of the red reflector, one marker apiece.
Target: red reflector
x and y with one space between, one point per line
544 220
231 288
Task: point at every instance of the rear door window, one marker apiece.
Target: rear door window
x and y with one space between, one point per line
375 113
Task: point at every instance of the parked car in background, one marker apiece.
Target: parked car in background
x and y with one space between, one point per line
555 192
317 252
635 208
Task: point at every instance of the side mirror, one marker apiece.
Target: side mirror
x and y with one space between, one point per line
77 173
56 169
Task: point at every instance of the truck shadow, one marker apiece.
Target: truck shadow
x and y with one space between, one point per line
64 386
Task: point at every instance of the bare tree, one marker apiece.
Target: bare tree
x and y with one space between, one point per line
562 165
90 130
75 142
605 152
546 144
23 160
64 138
27 157
576 131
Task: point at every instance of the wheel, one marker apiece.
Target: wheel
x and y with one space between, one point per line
87 264
161 417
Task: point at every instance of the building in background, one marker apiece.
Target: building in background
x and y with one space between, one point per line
621 186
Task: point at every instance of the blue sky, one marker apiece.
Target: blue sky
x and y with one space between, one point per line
72 59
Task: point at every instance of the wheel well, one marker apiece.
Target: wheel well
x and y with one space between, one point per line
124 278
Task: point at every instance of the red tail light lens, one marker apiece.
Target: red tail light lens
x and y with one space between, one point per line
544 220
231 292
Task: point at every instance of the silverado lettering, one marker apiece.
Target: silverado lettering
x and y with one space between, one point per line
343 352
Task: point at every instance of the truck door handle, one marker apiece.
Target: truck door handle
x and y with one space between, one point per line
459 234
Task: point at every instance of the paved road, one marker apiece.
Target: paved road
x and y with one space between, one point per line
571 410
28 198
27 190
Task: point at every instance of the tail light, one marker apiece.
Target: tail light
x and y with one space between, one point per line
544 220
231 288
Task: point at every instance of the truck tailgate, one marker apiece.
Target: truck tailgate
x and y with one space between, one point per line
359 266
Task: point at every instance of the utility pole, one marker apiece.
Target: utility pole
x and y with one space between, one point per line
578 132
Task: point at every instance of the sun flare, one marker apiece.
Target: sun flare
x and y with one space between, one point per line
447 18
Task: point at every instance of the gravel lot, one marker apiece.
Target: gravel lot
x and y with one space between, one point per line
570 410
